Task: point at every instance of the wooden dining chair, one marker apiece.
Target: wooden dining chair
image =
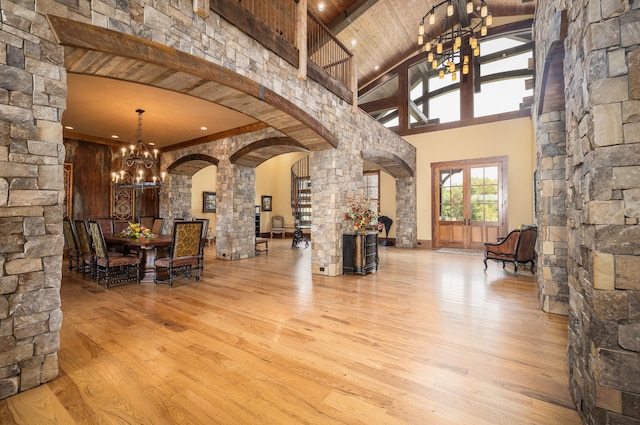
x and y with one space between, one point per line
87 260
71 243
112 267
184 253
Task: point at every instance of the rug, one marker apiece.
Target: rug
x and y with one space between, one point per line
461 251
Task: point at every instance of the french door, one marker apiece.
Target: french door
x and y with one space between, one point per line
469 202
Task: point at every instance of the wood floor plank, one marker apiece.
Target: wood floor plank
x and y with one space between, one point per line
429 338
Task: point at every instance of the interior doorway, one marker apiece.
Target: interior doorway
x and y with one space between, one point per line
469 199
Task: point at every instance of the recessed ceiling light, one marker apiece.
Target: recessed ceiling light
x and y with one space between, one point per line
114 136
376 68
203 128
151 144
320 7
68 127
353 42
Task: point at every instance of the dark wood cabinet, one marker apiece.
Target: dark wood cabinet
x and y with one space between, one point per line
360 253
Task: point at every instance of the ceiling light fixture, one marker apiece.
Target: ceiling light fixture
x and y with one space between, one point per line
453 23
138 165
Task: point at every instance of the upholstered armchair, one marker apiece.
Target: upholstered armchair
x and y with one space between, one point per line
184 253
518 247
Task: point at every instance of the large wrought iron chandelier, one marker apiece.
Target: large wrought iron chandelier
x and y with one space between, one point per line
450 24
139 165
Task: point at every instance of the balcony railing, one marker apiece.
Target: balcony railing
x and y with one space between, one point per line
279 15
326 51
323 48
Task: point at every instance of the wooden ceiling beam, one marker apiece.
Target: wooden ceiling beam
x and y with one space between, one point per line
349 15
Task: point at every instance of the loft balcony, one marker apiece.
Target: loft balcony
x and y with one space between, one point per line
299 38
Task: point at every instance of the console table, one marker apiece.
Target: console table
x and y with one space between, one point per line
360 253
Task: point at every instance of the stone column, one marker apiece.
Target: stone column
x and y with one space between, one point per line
235 211
406 225
32 98
336 177
175 200
602 75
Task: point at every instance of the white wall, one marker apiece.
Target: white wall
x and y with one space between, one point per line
512 138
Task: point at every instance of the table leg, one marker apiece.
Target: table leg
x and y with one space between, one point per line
148 270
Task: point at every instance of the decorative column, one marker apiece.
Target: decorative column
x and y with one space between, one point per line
336 176
602 75
235 211
406 225
32 99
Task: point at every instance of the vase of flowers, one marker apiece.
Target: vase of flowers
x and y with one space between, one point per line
360 215
136 230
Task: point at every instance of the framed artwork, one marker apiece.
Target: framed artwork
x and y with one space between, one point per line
266 203
208 202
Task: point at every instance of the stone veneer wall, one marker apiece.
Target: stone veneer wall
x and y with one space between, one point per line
551 207
33 96
602 106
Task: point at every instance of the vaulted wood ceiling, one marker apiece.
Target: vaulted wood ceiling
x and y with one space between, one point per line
386 31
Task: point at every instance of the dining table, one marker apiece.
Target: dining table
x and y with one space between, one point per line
147 248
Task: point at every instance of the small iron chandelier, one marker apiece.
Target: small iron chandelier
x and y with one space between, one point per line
460 22
139 165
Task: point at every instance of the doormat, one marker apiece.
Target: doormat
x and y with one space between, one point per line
460 251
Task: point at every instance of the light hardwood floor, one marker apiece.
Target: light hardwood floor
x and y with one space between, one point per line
428 339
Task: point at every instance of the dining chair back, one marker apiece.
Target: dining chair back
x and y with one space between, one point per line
156 228
146 221
184 253
87 260
110 266
71 242
106 224
119 225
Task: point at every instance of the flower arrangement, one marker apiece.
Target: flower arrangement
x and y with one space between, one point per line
136 230
360 214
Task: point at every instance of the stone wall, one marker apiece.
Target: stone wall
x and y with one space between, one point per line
602 188
551 208
32 98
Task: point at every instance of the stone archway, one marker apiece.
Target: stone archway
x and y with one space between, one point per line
406 225
93 50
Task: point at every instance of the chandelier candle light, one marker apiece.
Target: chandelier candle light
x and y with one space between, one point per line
452 23
135 163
